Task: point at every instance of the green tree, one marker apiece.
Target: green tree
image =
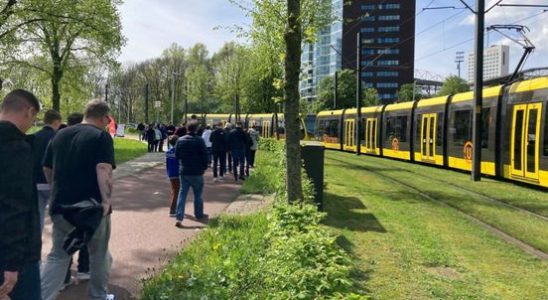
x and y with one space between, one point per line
405 93
68 35
453 85
231 65
346 89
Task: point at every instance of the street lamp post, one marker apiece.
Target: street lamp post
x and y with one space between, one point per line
157 105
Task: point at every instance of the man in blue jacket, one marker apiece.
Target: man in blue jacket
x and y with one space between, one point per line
192 154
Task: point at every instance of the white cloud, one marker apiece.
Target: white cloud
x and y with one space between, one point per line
152 26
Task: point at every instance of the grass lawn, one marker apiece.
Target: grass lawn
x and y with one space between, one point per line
126 149
407 247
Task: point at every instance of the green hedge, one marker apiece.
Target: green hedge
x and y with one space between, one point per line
284 253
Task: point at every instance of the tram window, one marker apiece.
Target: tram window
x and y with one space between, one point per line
396 127
329 128
439 130
463 127
485 121
546 132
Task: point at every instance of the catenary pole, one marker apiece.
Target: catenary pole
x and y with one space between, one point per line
478 91
358 93
335 90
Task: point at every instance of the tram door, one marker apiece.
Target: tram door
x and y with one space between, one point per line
525 133
349 133
428 136
370 135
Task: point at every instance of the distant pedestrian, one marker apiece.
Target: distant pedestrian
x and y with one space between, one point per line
20 238
206 135
79 164
228 128
41 139
141 128
163 137
255 137
75 118
151 137
218 149
192 155
236 145
181 131
172 168
157 138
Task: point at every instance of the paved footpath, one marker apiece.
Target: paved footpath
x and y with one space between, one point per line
143 236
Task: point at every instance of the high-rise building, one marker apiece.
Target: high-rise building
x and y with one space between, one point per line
388 29
495 63
323 58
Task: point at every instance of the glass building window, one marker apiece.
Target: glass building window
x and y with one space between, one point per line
368 41
368 6
387 85
368 51
388 51
388 62
389 29
389 6
367 29
367 74
368 18
388 40
388 74
389 18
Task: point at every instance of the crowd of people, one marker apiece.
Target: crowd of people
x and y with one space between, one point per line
195 148
66 169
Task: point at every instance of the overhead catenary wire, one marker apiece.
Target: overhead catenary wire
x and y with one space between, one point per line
471 39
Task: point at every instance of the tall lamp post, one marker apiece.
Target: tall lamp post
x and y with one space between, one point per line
157 106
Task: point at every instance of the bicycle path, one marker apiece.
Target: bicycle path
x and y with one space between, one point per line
143 236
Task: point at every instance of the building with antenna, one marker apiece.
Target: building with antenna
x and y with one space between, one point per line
495 62
388 45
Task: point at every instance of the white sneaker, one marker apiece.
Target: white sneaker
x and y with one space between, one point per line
67 284
110 297
82 276
215 179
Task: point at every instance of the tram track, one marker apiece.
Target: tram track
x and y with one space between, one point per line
524 246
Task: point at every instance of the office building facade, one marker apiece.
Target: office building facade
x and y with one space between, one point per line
495 63
387 29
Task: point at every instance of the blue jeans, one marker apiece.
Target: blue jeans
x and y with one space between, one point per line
238 161
28 283
197 184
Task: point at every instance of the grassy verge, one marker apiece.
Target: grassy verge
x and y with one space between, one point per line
406 247
126 149
530 229
283 253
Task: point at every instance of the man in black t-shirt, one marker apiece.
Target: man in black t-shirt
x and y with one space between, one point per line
79 163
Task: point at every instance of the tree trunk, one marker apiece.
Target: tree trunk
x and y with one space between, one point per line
291 89
56 88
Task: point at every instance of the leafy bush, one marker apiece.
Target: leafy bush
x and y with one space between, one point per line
282 254
132 130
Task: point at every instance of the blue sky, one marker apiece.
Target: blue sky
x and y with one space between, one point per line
151 26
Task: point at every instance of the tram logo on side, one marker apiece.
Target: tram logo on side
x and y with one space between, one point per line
395 144
468 151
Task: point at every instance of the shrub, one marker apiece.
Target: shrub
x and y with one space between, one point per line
283 254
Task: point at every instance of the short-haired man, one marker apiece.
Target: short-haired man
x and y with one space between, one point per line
20 238
52 122
79 164
192 154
